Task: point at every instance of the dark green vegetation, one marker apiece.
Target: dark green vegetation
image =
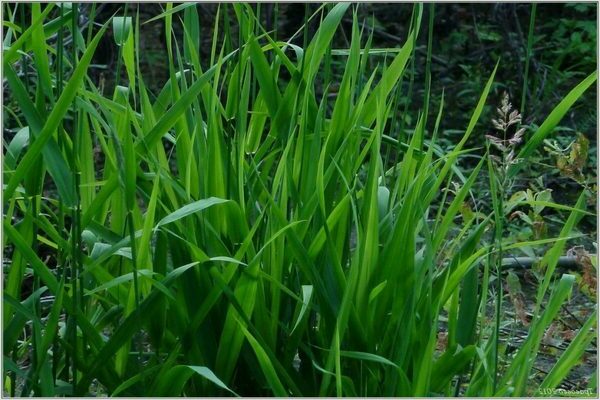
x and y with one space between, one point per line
295 215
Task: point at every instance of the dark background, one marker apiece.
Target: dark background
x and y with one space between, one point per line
468 39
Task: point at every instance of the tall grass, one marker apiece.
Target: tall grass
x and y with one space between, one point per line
245 234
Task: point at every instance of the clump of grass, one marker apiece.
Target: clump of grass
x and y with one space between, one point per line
244 234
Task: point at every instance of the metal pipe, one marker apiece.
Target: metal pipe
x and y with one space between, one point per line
527 262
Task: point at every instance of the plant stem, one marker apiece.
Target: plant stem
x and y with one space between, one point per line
528 56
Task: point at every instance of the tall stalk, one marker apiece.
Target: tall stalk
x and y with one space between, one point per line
497 182
428 63
60 256
500 186
76 266
528 56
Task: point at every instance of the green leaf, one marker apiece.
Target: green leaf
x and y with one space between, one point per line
190 209
572 355
173 382
522 362
265 364
553 119
307 291
170 11
170 117
127 328
11 53
54 161
265 77
121 29
16 146
359 355
117 281
55 118
449 364
208 374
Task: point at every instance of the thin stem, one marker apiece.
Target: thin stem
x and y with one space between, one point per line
528 56
37 309
136 287
412 76
498 258
275 21
76 262
24 62
428 63
60 257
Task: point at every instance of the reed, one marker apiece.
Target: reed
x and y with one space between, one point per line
246 234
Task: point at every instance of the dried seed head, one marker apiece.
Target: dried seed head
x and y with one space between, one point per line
517 138
510 157
498 125
507 117
496 142
514 118
505 104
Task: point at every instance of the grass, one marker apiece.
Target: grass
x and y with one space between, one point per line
245 234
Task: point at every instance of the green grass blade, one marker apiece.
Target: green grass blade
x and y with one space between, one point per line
572 355
265 364
553 119
189 209
54 119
